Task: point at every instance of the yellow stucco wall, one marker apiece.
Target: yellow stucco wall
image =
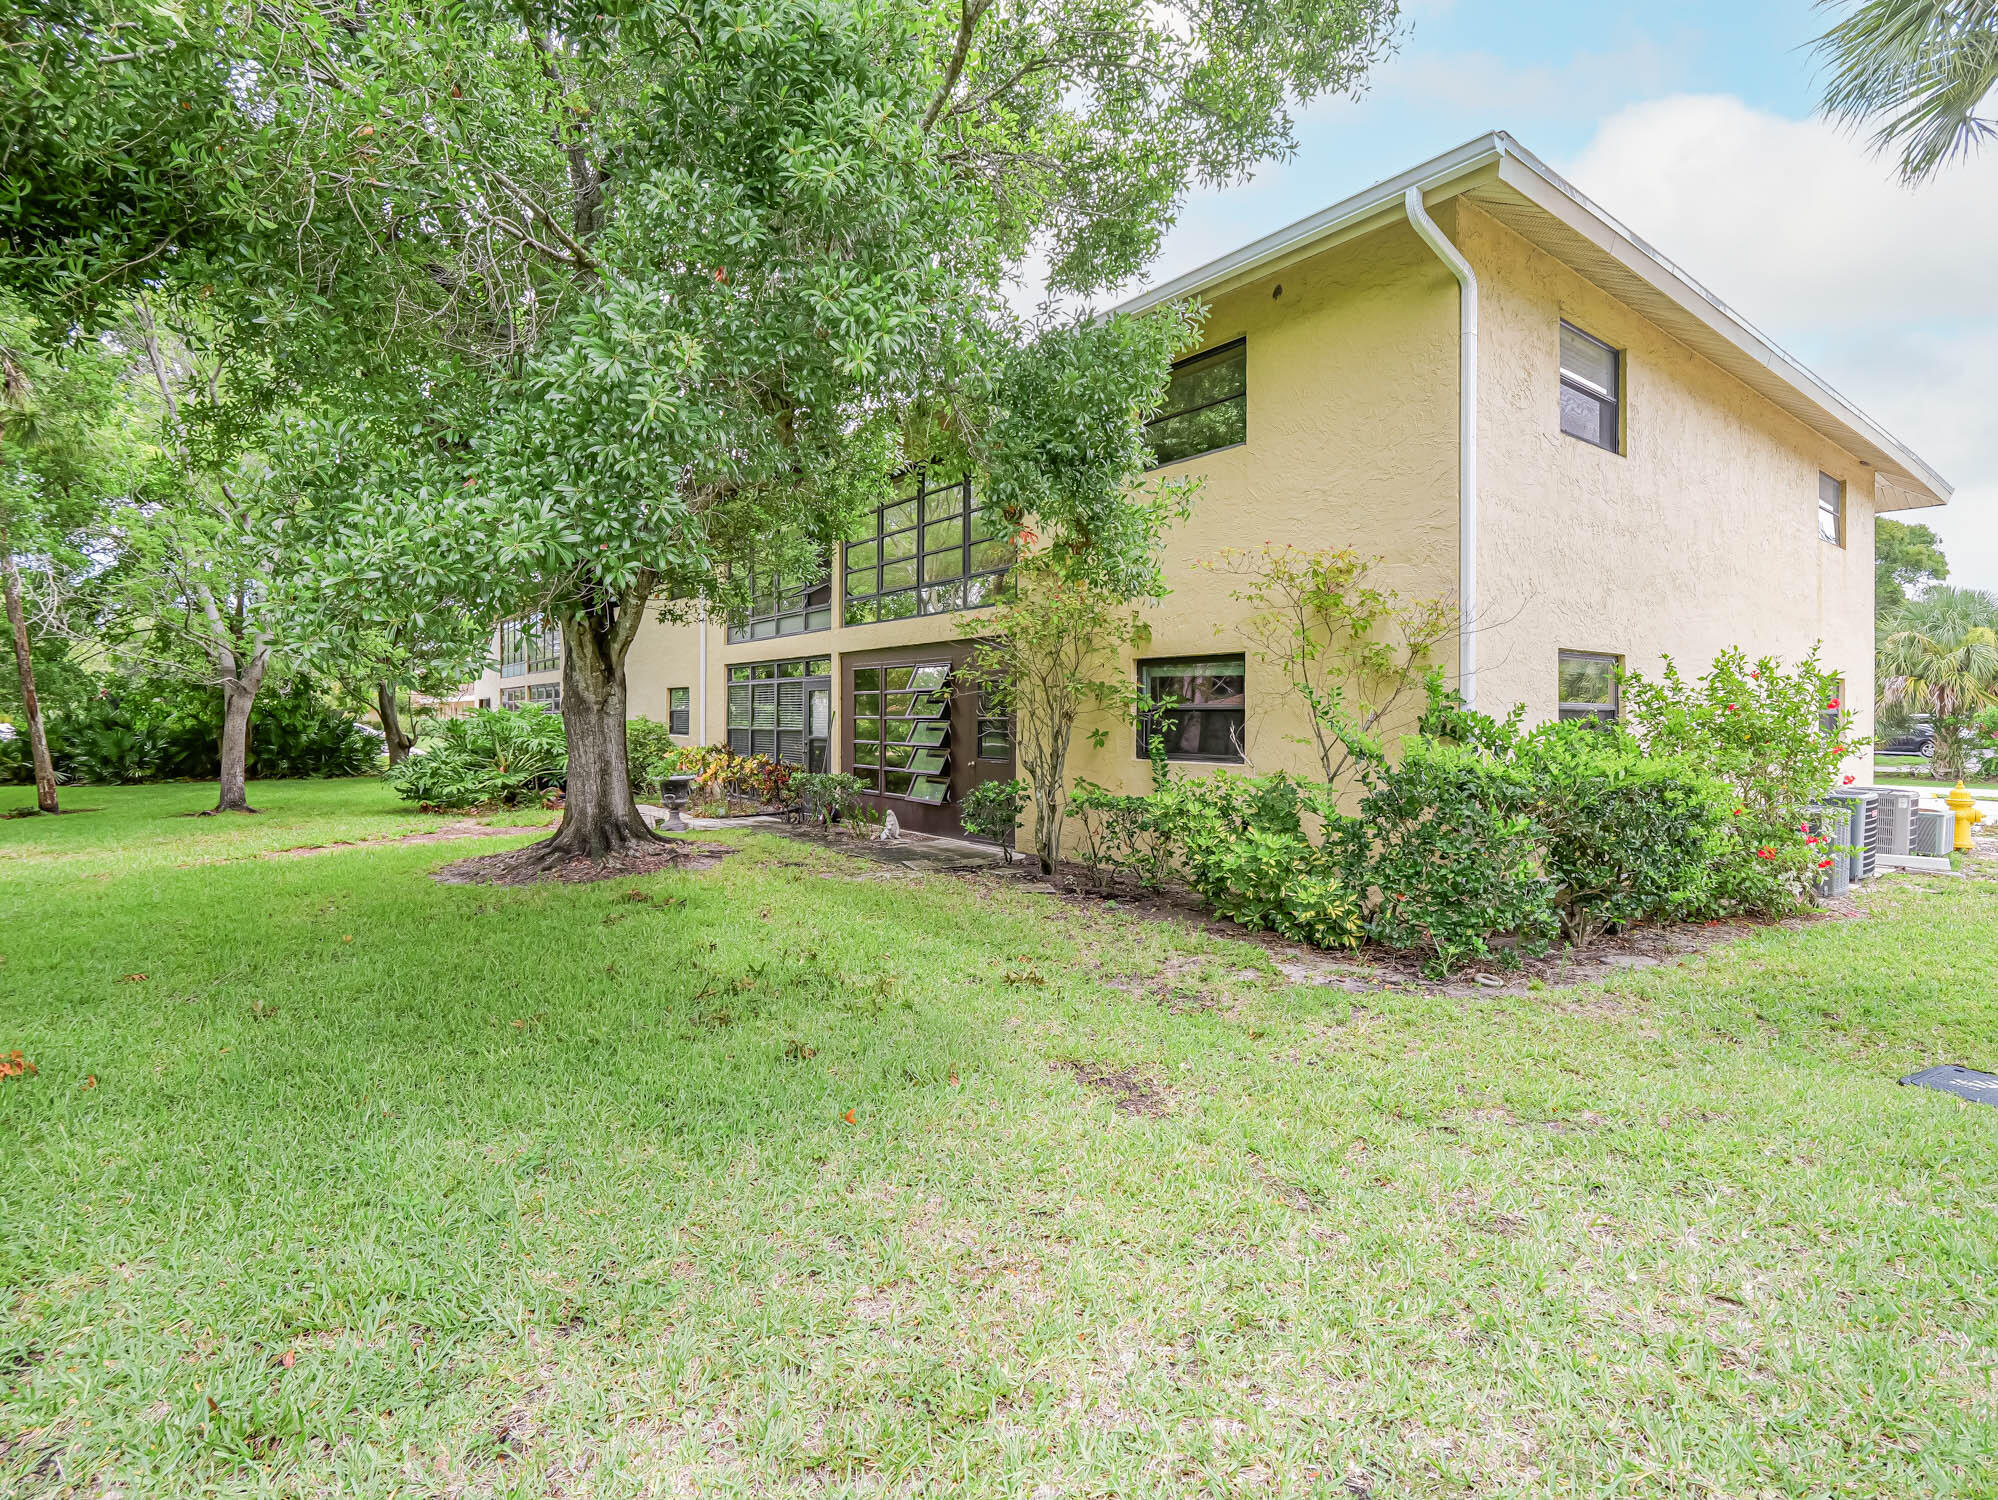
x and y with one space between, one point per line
1352 422
1701 534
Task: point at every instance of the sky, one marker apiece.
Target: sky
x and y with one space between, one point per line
1694 124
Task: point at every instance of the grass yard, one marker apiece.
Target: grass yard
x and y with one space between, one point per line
803 1176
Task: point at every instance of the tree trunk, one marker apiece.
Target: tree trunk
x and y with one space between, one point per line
599 815
31 704
237 701
393 738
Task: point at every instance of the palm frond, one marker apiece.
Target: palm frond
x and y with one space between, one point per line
1921 69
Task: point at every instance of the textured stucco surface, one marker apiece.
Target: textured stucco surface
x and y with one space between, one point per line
1702 533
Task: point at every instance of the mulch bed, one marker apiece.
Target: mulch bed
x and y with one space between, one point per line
530 867
1371 969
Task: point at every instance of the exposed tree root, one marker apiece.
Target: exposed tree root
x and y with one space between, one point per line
549 861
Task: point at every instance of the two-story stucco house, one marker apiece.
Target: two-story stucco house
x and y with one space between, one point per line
1469 370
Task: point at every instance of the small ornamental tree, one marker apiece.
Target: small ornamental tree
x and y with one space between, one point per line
1349 649
1775 738
1050 656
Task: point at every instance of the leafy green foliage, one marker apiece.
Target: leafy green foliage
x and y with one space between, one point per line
1624 837
654 753
166 729
1049 656
826 797
1760 731
992 809
1454 852
1918 70
1348 648
488 757
1905 556
1242 845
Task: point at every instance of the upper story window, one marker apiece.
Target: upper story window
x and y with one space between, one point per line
1206 406
1199 712
1588 686
784 606
1591 389
1831 509
530 645
936 547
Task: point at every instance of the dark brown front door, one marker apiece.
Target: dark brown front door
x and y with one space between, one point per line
911 732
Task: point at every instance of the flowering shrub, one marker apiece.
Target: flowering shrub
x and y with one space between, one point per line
1759 730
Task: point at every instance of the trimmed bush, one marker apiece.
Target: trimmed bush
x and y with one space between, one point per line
489 757
827 797
1454 853
1624 837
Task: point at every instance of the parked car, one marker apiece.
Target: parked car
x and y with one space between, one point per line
1920 739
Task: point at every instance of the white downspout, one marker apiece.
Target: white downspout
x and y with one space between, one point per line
1467 441
703 638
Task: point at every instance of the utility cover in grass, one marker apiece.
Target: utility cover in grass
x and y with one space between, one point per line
1955 1078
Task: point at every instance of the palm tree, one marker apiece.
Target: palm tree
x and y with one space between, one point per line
1921 68
1942 660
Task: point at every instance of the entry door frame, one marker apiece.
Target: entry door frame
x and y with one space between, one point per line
966 768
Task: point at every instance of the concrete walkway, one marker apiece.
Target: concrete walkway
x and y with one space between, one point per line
927 851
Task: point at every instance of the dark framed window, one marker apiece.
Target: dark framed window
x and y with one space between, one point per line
937 547
1591 389
1206 406
512 697
549 693
485 703
995 729
1831 509
679 714
782 606
1198 707
530 645
782 709
1588 686
901 730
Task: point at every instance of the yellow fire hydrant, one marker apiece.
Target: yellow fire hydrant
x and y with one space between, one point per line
1966 812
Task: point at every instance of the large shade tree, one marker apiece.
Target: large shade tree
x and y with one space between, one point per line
675 286
595 302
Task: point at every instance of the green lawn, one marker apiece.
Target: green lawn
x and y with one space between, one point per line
334 1181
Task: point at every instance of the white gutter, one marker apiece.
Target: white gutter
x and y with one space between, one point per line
1467 441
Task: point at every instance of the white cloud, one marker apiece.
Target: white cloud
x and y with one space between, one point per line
1888 292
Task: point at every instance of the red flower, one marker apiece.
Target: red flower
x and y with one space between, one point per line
1848 781
1838 749
1730 708
1832 704
1765 853
1824 864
